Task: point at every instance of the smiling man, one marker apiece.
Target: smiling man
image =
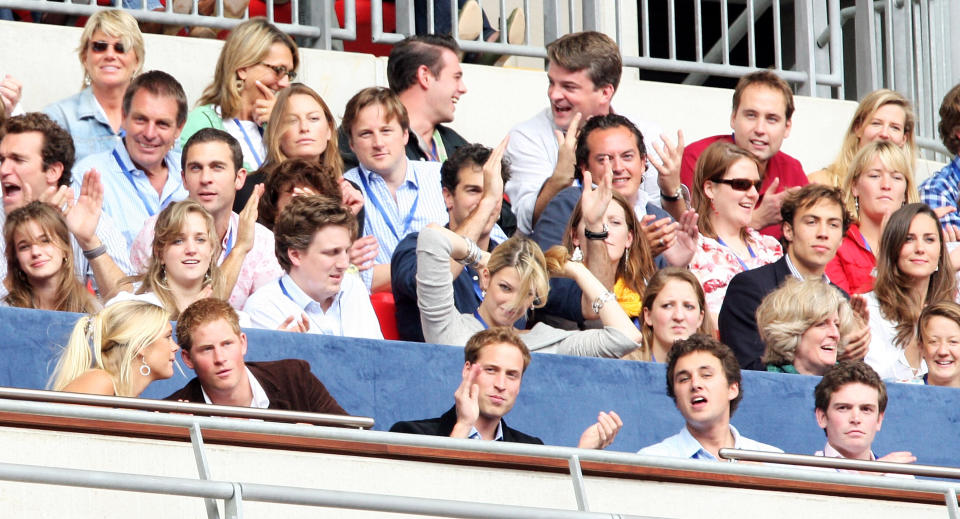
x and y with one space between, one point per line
584 71
212 173
213 346
141 175
703 378
494 362
761 120
814 222
850 403
313 235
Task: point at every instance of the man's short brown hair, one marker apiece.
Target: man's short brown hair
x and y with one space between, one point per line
592 51
768 79
291 173
202 312
496 335
809 196
950 120
160 84
705 343
392 107
302 218
848 372
57 143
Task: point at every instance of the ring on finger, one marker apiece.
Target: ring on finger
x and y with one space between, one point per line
662 243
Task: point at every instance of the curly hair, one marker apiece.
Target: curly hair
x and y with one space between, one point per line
299 222
707 344
57 142
848 372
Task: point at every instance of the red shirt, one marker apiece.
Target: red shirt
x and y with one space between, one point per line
782 166
852 268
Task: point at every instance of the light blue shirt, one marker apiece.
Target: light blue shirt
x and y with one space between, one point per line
82 116
684 445
128 196
475 434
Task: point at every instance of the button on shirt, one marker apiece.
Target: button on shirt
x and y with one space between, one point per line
350 315
128 196
684 445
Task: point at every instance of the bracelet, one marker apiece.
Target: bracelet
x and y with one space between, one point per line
602 235
95 252
474 254
600 300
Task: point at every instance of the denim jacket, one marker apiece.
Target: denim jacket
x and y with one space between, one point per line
82 116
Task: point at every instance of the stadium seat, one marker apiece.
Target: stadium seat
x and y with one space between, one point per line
386 308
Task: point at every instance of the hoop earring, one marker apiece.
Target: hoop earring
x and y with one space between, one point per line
144 368
577 254
239 84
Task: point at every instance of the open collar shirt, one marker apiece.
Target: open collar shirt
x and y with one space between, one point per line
684 445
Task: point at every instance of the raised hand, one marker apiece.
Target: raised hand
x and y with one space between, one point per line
768 212
688 234
567 148
467 398
601 434
248 220
83 214
263 106
661 234
10 92
363 251
350 196
671 157
594 202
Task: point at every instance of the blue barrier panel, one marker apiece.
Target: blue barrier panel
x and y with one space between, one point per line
560 396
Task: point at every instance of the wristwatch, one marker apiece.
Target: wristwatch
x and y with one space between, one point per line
602 235
675 196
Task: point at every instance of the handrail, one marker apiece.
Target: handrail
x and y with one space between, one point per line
933 471
145 404
433 442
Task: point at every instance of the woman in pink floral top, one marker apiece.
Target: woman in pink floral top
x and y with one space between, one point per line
725 194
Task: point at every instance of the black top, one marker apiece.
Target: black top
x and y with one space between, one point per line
443 426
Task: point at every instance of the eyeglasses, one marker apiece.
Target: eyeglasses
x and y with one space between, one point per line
280 70
739 184
101 46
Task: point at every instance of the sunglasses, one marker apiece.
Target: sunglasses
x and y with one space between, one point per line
101 46
280 70
740 184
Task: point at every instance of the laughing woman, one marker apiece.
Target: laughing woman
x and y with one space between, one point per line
939 331
40 262
726 180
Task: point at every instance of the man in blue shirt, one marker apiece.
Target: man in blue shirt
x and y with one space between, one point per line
141 176
943 188
703 378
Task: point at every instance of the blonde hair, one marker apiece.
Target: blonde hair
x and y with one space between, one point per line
525 255
71 295
246 46
116 23
892 157
789 311
110 340
169 224
837 172
712 166
272 137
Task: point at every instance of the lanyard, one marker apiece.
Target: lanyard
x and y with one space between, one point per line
126 173
865 243
476 313
229 246
742 264
476 283
439 153
312 322
383 214
256 156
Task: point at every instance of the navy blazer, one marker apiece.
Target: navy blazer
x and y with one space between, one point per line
443 426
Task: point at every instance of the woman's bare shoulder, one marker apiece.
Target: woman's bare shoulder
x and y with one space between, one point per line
94 382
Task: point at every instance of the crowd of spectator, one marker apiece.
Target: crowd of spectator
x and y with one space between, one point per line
584 232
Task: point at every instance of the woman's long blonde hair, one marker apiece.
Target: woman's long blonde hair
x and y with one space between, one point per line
330 158
246 46
837 172
110 340
891 156
71 295
525 255
169 224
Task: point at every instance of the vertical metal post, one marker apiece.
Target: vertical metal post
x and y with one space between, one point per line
836 42
953 43
951 498
578 488
672 28
551 21
405 21
806 43
864 29
725 31
591 15
751 37
233 507
645 27
698 33
317 14
203 468
777 38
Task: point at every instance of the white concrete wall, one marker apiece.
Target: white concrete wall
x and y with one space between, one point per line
373 475
44 58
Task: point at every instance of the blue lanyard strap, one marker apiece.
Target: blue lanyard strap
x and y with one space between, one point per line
476 313
312 322
749 249
407 221
146 202
229 246
256 156
865 243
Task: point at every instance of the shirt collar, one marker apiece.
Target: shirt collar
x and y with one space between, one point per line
796 273
300 298
128 165
409 178
691 448
475 434
87 106
260 399
830 452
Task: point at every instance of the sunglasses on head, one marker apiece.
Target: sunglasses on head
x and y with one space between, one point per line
102 46
739 184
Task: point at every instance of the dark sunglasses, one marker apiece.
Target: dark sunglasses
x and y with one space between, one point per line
101 46
280 71
739 184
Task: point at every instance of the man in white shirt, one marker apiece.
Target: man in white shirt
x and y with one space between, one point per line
212 173
313 235
584 71
850 402
400 195
703 378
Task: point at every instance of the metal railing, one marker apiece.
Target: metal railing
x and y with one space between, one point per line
234 492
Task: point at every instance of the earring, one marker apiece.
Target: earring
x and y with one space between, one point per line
239 84
626 255
163 277
144 368
856 203
483 295
577 254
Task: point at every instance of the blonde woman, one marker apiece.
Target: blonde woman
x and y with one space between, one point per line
883 115
117 352
804 325
674 308
111 51
256 62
